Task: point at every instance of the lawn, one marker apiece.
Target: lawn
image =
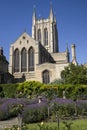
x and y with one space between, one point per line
80 124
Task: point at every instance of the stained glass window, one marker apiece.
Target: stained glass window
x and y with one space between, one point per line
31 59
16 60
23 60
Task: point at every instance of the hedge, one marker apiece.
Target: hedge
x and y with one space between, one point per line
32 88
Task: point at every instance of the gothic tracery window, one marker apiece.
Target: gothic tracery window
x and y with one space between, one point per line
39 35
31 59
23 60
16 60
46 76
45 36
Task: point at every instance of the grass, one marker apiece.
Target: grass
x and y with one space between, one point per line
80 124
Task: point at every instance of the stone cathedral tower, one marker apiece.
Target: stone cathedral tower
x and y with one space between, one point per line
45 31
38 57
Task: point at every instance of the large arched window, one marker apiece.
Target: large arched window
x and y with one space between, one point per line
39 35
16 60
45 37
31 59
46 76
23 60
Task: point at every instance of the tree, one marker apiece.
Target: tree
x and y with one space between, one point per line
74 74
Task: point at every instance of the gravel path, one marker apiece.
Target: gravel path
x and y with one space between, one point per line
8 123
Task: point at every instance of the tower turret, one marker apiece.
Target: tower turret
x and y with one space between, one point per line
34 23
51 13
73 54
34 16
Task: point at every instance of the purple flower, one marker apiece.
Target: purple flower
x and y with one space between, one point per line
62 101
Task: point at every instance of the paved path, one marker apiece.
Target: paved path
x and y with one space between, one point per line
8 123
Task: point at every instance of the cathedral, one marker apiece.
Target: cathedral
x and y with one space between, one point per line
38 58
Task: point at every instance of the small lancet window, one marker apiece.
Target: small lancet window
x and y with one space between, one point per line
27 41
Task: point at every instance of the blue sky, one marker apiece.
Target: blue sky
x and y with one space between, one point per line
71 15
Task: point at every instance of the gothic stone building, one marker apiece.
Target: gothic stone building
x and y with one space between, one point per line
38 57
5 76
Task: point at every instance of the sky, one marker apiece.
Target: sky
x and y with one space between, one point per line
71 15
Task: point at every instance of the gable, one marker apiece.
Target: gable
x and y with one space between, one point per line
24 41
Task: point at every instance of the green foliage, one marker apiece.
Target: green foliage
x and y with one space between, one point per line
1 92
57 81
75 74
63 110
68 125
75 91
34 113
28 88
3 115
43 126
9 90
32 89
16 127
77 125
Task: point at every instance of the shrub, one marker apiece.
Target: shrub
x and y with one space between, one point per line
4 112
29 88
11 107
9 90
82 107
65 107
34 112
